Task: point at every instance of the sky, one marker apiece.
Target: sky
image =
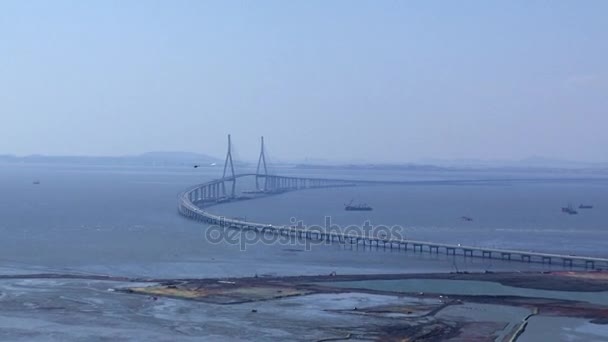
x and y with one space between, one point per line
377 81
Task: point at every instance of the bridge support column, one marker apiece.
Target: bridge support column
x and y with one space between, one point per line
590 264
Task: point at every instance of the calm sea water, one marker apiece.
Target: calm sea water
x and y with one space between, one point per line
123 220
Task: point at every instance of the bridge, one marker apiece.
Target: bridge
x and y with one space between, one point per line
193 202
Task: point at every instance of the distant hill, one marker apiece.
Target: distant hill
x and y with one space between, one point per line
177 157
409 167
149 158
531 162
528 165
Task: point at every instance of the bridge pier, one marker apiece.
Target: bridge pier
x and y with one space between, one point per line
547 259
590 264
450 250
507 255
525 257
468 252
486 253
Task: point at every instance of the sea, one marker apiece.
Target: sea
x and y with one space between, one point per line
122 220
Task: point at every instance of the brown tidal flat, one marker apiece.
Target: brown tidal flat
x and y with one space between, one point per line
221 292
415 316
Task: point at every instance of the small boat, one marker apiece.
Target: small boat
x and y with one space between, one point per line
569 210
466 218
36 182
357 207
585 206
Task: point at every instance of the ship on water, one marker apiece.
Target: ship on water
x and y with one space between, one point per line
357 207
585 206
569 210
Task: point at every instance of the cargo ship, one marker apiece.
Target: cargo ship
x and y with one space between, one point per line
585 206
569 210
357 207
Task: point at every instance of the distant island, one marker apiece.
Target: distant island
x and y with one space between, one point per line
413 167
515 168
149 158
180 158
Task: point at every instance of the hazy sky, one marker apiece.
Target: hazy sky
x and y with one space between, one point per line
375 80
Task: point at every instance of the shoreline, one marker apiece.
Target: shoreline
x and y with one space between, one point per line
573 281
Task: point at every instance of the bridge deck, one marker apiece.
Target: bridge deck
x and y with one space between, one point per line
188 208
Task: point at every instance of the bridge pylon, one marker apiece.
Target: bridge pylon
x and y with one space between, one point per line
232 174
261 166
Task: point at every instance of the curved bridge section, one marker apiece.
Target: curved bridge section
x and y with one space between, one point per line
191 204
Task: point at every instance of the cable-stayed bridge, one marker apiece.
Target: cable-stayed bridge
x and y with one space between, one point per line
193 202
